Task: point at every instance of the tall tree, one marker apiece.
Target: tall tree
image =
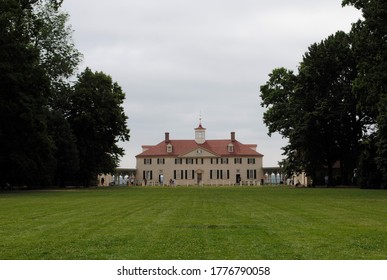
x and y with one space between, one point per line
316 110
52 36
325 84
50 129
26 148
98 120
283 115
370 45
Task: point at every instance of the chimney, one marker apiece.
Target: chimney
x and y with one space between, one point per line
166 137
232 136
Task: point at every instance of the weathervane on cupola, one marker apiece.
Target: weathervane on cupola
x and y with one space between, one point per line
200 132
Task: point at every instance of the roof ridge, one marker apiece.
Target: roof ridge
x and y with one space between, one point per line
185 146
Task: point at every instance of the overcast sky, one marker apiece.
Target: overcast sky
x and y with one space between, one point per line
178 59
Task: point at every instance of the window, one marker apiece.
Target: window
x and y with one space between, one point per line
251 174
147 161
180 174
219 174
238 160
161 161
224 160
178 161
189 174
147 175
214 161
251 161
169 148
189 161
230 148
199 161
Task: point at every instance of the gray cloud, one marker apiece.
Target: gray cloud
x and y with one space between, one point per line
175 59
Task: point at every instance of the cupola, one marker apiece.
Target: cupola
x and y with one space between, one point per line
200 134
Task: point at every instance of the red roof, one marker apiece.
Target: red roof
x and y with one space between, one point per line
217 147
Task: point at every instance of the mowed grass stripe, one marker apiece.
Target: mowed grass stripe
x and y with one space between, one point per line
194 223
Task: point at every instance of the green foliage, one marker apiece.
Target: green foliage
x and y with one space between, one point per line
52 36
316 109
278 94
66 152
370 45
26 147
98 120
43 140
325 90
367 174
284 115
336 103
381 144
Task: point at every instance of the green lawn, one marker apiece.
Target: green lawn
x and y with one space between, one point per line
194 223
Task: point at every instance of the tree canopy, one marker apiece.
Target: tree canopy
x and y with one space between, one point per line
99 122
333 111
41 141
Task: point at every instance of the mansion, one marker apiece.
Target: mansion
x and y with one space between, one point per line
199 162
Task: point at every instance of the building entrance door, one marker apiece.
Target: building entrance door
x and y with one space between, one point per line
199 178
238 178
161 179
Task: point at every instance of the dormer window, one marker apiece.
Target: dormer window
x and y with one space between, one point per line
230 148
169 148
